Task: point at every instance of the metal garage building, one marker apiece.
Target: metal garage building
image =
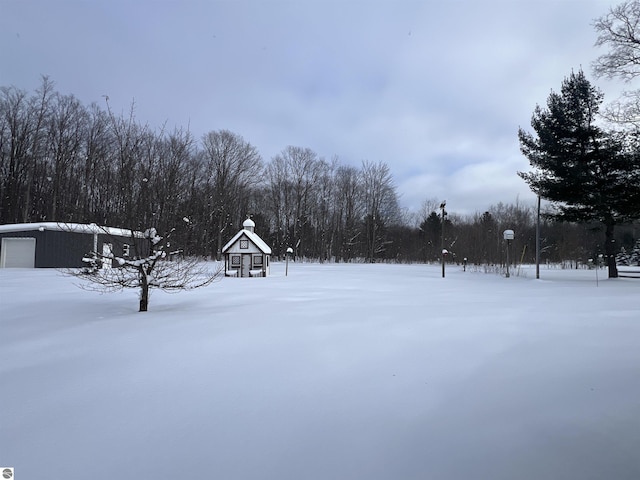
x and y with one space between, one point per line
59 245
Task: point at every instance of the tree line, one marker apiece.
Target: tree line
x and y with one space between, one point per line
63 161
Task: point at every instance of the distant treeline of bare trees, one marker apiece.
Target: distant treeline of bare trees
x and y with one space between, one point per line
63 161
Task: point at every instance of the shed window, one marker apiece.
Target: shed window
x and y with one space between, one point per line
235 261
244 244
257 260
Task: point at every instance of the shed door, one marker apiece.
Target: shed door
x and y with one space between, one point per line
18 253
246 265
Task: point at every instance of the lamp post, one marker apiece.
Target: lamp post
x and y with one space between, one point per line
442 205
286 268
508 236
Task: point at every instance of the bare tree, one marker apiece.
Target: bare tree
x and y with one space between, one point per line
427 207
305 169
154 265
66 131
169 182
232 167
40 110
619 31
22 152
15 134
292 178
380 204
323 211
349 211
278 194
129 140
98 173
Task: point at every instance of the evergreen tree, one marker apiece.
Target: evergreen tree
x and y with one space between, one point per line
635 254
589 174
623 258
431 233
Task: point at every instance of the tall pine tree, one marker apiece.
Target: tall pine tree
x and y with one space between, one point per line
589 174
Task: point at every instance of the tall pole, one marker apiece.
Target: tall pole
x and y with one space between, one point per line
442 205
538 241
508 236
286 269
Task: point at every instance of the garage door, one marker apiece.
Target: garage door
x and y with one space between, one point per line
18 253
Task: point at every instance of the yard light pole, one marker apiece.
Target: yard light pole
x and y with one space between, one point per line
442 205
286 268
508 236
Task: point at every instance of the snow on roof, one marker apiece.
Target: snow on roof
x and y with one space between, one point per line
264 248
249 223
67 227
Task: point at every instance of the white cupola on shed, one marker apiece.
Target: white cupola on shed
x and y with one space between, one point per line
249 225
246 254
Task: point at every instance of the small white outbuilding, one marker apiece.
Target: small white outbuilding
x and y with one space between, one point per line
246 254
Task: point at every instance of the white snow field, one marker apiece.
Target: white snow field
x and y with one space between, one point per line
336 371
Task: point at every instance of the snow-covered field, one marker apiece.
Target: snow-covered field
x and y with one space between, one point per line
332 372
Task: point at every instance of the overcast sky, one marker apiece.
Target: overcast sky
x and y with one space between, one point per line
436 90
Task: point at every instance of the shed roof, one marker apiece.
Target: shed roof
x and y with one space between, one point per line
67 227
264 248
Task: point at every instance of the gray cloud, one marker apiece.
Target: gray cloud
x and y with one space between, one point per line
437 90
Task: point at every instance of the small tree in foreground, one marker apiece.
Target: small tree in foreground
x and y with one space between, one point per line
156 268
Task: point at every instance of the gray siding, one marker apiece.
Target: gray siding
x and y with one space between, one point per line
59 249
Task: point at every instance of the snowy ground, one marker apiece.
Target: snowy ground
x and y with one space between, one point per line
332 372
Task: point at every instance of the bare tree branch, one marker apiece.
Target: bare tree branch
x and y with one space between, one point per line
618 30
159 269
